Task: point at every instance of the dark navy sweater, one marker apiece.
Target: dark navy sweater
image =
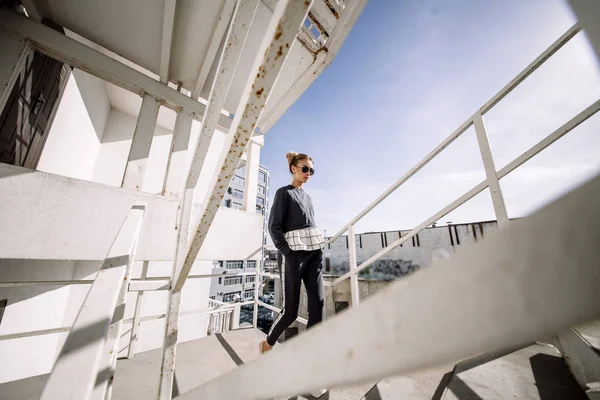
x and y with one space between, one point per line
292 209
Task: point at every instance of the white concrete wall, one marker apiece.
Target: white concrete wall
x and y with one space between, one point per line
29 309
76 221
407 258
112 156
74 138
195 298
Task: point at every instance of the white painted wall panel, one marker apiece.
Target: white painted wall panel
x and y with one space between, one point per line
73 142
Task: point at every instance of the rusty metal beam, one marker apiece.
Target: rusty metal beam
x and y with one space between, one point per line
281 32
238 32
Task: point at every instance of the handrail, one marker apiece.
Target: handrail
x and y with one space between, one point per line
492 175
534 65
526 156
505 290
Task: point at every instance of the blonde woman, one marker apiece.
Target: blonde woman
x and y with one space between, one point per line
295 234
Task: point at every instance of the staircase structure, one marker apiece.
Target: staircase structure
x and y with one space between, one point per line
510 301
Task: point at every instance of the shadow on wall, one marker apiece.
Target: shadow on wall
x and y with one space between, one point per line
23 270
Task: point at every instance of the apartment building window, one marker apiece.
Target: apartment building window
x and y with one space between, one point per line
233 280
238 194
261 189
250 278
262 177
234 264
238 180
236 205
260 210
251 264
260 201
248 294
229 297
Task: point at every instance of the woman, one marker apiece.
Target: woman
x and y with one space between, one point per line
295 234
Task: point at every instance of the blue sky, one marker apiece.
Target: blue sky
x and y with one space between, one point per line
409 73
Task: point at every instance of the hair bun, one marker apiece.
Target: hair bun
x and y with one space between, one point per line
290 156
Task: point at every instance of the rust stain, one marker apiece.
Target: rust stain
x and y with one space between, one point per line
279 52
260 91
278 33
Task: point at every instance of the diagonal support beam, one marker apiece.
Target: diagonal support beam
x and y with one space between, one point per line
177 155
141 143
213 46
167 39
281 32
238 32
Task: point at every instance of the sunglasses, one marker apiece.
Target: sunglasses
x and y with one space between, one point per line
305 169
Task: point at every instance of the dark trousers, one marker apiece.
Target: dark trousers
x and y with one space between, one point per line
300 266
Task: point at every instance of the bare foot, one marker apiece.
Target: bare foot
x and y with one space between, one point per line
264 347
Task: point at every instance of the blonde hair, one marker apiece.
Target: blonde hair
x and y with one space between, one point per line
293 158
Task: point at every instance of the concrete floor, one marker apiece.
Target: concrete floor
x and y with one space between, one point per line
535 372
198 361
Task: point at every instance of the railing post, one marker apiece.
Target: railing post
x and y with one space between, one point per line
490 171
235 317
174 175
251 178
133 178
354 289
186 204
135 325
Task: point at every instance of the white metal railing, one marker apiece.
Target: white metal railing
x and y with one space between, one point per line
492 175
508 289
89 356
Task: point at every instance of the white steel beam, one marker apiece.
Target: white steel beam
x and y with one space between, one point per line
490 171
45 283
79 360
354 288
145 286
108 365
548 140
135 326
167 371
322 60
280 34
213 47
236 37
535 64
508 289
58 46
251 177
135 170
167 39
527 155
177 155
15 50
530 69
